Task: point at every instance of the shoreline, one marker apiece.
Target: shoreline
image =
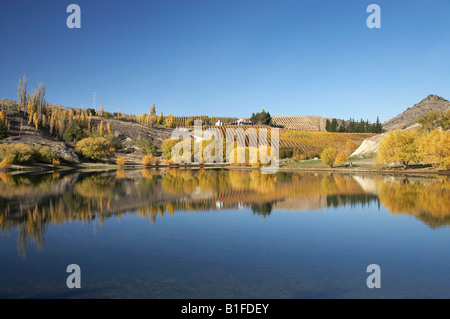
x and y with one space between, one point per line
98 167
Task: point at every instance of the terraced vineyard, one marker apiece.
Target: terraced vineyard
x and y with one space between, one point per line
298 122
181 120
307 142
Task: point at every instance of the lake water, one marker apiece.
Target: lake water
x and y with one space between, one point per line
223 234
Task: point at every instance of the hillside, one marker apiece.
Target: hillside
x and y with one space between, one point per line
410 115
407 119
126 131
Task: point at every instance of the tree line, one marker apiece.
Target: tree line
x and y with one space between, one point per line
353 126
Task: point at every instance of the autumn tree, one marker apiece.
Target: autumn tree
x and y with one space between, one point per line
161 119
350 147
22 93
152 110
328 156
297 155
434 148
398 146
170 121
341 158
100 111
189 122
3 126
150 160
120 161
95 148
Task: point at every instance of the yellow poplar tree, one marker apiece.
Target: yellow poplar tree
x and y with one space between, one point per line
341 158
100 129
170 121
398 146
328 156
434 148
161 119
35 121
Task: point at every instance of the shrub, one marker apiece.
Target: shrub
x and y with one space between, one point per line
167 148
5 163
286 152
74 133
120 161
22 153
328 156
116 143
95 148
44 154
17 153
149 160
56 162
146 146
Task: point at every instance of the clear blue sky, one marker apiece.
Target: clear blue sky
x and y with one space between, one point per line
230 57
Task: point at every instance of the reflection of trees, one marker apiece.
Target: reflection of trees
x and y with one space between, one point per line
263 209
352 200
427 199
31 202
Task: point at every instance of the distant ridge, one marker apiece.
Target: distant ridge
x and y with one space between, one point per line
410 115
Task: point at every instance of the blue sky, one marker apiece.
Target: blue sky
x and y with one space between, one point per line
230 58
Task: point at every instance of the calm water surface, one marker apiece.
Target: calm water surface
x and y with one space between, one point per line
223 234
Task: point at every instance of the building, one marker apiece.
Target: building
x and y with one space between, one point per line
241 122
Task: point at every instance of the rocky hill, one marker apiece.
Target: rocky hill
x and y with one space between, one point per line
409 117
127 132
406 120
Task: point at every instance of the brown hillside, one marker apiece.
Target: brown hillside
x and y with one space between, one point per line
409 117
127 132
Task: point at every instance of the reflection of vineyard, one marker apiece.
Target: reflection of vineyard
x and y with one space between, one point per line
31 203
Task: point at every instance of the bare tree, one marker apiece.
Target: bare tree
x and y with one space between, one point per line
22 94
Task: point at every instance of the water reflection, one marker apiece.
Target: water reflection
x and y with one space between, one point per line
31 202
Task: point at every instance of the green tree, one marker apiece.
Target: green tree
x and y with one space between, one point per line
262 117
146 146
167 148
74 132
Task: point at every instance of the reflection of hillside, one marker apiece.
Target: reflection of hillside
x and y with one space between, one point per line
31 202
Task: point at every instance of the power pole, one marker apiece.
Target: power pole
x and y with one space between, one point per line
95 100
